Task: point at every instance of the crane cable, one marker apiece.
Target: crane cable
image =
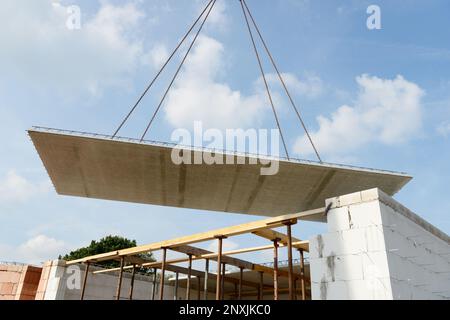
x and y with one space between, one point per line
162 69
265 80
281 79
178 70
247 13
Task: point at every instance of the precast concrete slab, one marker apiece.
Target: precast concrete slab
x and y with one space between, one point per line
119 169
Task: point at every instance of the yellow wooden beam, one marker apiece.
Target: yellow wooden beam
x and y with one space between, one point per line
200 237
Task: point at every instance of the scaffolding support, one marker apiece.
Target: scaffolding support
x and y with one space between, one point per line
199 291
241 276
219 264
275 269
175 295
261 286
133 274
83 288
205 284
119 283
302 274
163 272
188 283
154 284
290 267
222 283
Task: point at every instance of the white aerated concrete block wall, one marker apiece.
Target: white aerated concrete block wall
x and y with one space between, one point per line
376 248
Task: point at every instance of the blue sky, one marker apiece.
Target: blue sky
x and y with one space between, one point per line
374 98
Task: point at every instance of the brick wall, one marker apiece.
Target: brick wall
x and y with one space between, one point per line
19 282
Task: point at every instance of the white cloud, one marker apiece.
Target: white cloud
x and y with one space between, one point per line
42 248
15 188
156 56
36 250
199 96
38 47
444 129
219 17
311 87
386 111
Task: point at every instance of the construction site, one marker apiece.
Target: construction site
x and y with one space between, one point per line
375 248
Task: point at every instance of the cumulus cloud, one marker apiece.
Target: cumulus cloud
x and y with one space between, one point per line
38 47
156 56
199 96
15 188
35 250
385 111
218 17
310 87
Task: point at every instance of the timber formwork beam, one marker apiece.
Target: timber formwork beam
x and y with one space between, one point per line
200 237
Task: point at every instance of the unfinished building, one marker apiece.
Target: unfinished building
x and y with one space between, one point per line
375 248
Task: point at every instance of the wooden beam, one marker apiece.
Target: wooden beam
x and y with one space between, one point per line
205 285
290 267
273 235
83 288
219 265
182 270
222 283
261 286
201 237
302 274
198 252
241 278
199 291
163 272
188 284
154 284
175 294
275 269
119 283
133 273
300 244
244 282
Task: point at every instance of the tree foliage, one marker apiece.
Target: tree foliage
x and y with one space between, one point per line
106 244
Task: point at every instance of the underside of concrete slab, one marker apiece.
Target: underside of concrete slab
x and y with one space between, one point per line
100 167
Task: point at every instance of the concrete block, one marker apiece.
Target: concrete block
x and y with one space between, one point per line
334 291
365 214
401 290
336 268
338 219
347 268
350 199
375 289
370 195
351 242
319 270
315 247
375 238
375 265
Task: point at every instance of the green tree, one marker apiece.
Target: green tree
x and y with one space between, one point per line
106 244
